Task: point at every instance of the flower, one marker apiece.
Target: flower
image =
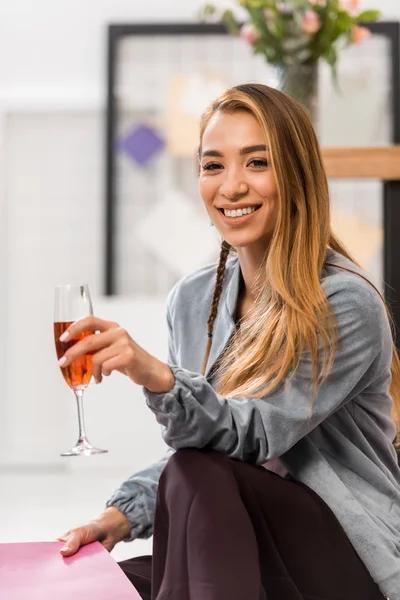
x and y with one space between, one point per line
297 32
349 5
359 34
249 33
310 22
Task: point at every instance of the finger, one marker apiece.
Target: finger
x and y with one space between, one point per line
81 536
90 323
90 345
72 544
100 358
64 536
118 363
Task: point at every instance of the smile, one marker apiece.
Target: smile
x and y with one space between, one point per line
239 215
238 212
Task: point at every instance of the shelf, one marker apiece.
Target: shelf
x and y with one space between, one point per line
362 163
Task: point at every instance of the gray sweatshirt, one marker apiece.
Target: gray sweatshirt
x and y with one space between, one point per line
343 451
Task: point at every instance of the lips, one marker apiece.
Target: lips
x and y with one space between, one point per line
237 212
234 219
237 206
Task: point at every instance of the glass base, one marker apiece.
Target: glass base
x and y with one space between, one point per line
83 448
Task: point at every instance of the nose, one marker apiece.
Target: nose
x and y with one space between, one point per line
233 188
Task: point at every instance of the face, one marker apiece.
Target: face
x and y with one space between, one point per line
236 181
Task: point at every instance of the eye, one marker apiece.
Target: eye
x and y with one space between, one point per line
258 163
212 166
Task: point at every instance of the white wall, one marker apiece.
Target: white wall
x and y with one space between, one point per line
57 49
52 79
52 92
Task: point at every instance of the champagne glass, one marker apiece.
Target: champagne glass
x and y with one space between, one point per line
73 302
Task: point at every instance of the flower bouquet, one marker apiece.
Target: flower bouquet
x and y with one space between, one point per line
294 35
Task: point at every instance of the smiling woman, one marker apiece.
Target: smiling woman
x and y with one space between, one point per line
277 395
267 156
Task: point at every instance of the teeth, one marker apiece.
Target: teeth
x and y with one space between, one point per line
239 212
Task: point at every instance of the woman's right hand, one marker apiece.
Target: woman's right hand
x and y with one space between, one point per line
109 528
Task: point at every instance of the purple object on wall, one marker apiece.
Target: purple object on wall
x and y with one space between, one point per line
141 144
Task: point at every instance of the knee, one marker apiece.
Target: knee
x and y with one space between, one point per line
189 460
186 461
191 469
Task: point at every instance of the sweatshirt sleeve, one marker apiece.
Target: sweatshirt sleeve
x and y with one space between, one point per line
194 415
136 497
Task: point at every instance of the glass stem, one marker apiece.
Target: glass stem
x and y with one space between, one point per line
81 418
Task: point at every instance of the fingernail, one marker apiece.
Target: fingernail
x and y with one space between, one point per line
65 549
62 361
64 336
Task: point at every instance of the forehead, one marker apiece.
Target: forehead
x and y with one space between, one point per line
233 128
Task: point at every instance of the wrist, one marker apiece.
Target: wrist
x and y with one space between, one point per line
115 523
163 380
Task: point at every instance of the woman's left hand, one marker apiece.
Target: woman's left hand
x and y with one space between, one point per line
113 349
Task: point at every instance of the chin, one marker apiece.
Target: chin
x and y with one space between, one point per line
241 241
257 241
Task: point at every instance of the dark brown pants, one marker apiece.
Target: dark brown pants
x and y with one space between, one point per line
227 530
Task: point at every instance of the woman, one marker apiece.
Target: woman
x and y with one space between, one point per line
285 484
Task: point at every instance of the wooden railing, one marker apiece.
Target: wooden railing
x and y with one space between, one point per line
365 163
377 163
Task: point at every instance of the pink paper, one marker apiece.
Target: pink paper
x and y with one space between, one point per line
37 571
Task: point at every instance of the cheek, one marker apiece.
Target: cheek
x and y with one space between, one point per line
268 190
207 190
267 187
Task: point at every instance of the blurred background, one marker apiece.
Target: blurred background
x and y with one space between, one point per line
54 78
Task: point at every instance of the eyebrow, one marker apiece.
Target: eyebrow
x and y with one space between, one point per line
242 151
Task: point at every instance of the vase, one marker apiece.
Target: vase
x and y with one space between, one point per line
301 83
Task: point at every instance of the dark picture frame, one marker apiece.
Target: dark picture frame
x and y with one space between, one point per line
391 195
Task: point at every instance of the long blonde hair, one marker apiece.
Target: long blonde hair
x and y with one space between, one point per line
292 314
